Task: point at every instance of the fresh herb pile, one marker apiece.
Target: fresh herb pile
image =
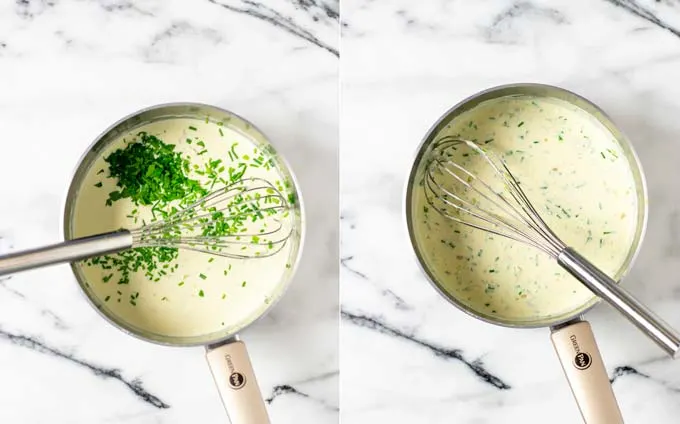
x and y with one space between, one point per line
149 173
152 174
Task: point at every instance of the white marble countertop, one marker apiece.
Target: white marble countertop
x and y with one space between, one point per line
69 69
407 355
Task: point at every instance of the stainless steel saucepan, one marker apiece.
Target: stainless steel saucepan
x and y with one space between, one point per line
571 336
227 356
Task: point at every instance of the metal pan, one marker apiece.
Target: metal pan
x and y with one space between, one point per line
226 354
571 336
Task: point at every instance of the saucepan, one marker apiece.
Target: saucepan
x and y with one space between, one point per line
571 336
149 320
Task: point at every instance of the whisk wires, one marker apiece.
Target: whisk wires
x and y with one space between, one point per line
489 198
247 219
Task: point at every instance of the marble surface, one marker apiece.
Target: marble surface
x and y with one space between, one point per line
69 69
406 354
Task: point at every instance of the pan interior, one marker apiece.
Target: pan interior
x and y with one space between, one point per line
181 297
582 178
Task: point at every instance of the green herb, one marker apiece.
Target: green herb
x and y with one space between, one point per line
221 133
200 293
101 171
243 284
224 295
520 124
232 151
192 128
146 259
106 299
98 185
150 172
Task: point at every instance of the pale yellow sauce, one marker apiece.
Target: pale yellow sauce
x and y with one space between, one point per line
577 177
173 306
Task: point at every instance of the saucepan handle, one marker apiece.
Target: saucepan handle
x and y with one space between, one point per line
68 251
583 366
233 373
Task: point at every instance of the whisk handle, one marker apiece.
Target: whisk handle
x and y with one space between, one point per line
606 288
68 251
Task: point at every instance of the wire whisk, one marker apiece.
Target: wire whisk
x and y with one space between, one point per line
497 205
247 219
492 200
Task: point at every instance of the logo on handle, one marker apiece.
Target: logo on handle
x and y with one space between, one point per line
582 360
236 379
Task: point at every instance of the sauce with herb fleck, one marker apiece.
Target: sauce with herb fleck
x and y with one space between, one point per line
165 291
575 174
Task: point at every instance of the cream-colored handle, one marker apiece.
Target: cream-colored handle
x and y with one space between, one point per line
582 364
233 373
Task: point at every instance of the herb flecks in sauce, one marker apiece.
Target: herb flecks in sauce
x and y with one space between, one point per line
556 151
158 179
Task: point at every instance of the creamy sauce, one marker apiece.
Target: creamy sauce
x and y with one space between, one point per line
579 180
205 293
